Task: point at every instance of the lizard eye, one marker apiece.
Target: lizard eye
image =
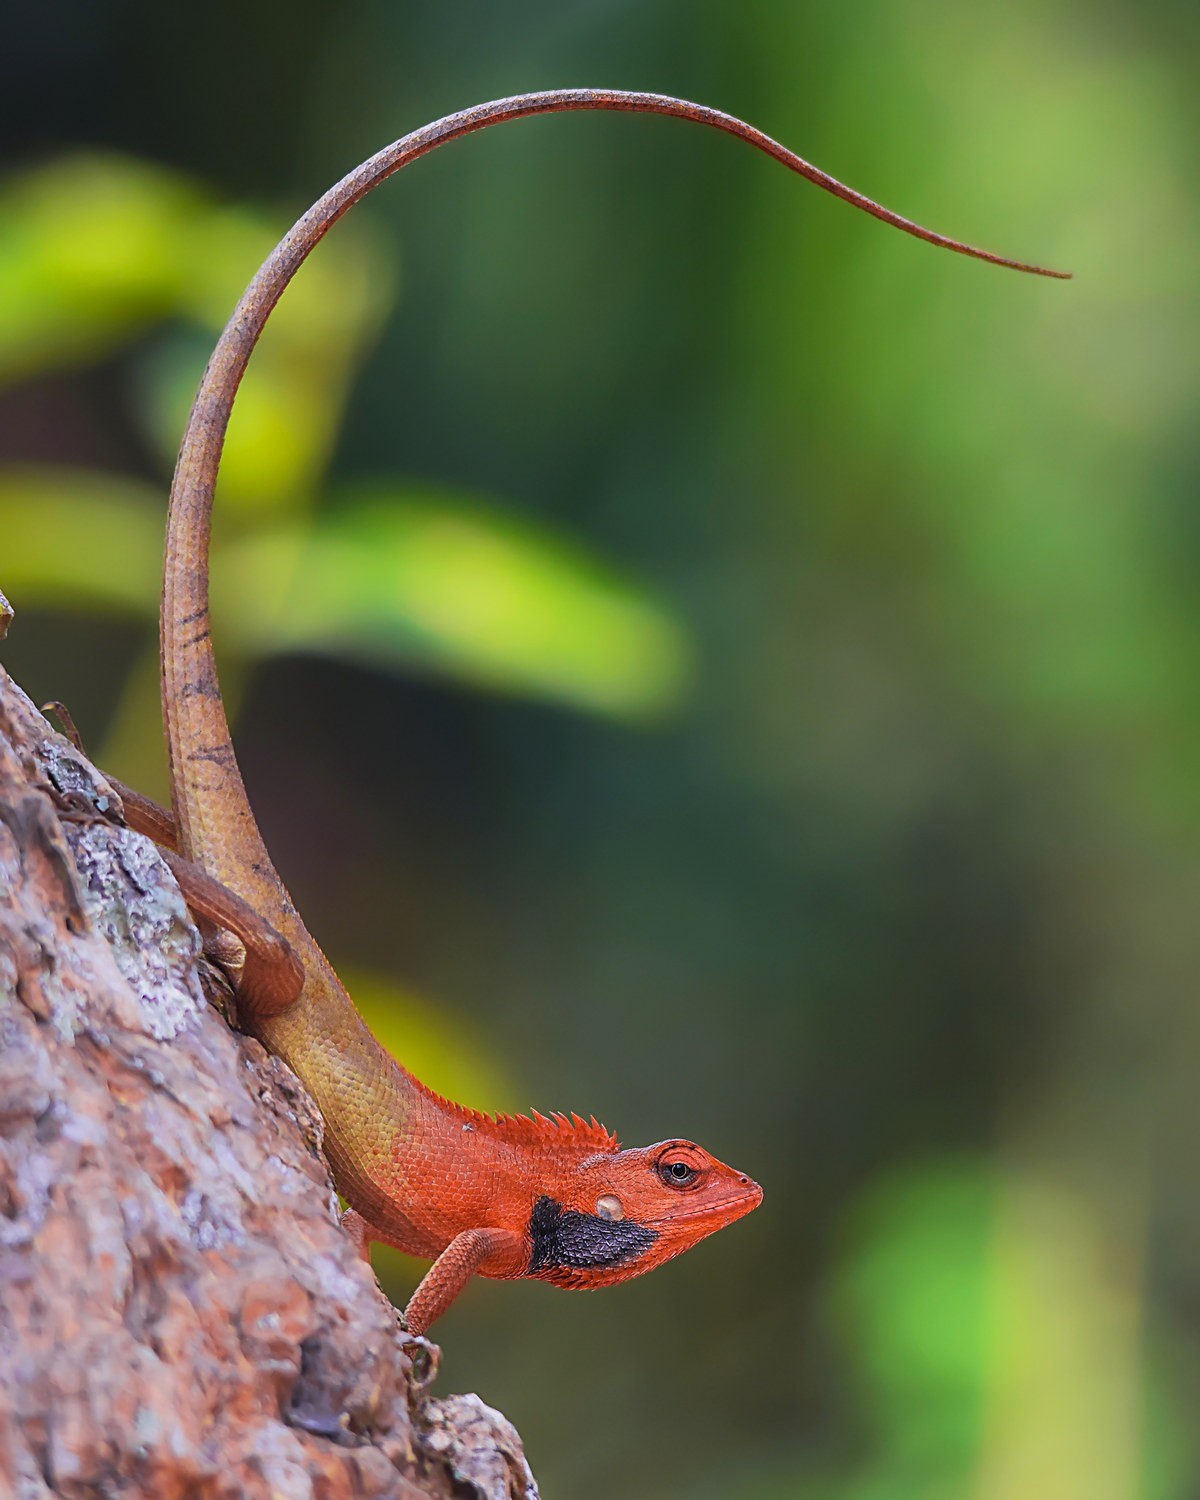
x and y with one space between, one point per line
677 1173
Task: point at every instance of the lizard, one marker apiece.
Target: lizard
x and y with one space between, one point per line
552 1197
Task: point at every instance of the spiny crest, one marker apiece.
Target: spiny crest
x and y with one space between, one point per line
564 1132
570 1133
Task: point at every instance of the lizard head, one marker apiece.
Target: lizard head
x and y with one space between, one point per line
620 1214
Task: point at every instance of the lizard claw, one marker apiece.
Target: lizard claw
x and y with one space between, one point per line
424 1356
63 714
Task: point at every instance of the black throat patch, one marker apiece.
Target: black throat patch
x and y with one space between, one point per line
565 1239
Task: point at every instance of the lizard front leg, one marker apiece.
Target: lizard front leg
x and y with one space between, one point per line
493 1252
498 1252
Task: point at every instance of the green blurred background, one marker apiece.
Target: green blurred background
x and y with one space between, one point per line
698 656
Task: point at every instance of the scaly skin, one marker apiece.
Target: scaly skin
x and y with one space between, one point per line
507 1197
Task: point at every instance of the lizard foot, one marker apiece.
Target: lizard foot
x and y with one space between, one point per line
424 1356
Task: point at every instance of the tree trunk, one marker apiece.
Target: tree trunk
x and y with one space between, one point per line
180 1312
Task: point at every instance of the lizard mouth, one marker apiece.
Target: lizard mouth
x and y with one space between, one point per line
723 1211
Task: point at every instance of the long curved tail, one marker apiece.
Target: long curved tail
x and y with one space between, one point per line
217 826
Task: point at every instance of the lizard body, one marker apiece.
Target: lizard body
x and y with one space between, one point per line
549 1197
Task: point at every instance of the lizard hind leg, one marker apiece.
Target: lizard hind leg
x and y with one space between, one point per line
272 975
360 1233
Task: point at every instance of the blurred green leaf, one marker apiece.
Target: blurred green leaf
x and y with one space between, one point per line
89 254
992 1340
78 538
396 575
912 1298
383 578
94 249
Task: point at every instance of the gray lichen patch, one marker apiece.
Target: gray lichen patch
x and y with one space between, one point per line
130 898
135 906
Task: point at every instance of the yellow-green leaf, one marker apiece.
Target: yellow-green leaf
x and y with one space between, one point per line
90 252
395 576
81 539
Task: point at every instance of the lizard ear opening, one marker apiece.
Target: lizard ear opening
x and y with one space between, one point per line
610 1207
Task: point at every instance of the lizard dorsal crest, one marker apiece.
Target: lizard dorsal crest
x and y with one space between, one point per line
561 1133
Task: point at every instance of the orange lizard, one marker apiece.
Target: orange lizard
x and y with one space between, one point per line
551 1197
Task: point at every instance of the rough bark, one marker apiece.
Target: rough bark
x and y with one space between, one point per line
180 1312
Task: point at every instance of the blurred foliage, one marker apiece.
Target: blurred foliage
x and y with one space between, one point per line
966 1341
89 255
386 576
114 560
874 856
400 577
911 1295
391 574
